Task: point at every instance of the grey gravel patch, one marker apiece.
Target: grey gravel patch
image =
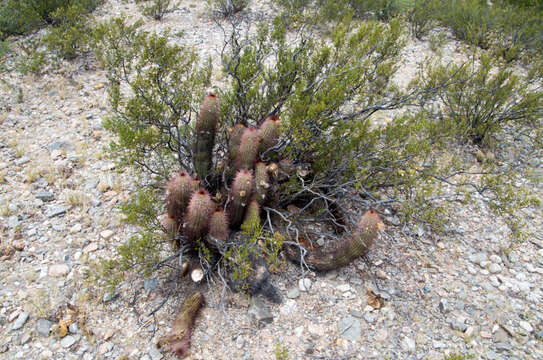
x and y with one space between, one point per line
13 221
293 293
57 210
43 327
110 296
45 196
349 328
260 311
150 284
155 354
23 160
60 145
20 321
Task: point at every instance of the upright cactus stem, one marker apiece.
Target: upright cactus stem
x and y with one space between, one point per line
241 192
252 216
204 141
198 213
235 141
262 182
269 133
248 149
218 229
178 193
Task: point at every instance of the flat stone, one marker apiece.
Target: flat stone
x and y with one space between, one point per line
56 210
25 338
58 270
13 221
106 234
43 327
494 268
105 348
526 326
150 284
260 311
478 258
344 287
45 196
20 321
60 145
444 306
501 336
349 328
293 293
68 341
304 284
408 344
155 354
73 328
90 248
76 228
289 308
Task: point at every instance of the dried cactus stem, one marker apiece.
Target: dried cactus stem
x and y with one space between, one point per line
352 247
204 142
179 338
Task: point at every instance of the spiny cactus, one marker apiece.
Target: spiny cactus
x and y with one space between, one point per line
262 182
218 230
170 224
353 246
198 213
235 141
269 133
178 193
252 216
205 135
248 149
241 192
179 338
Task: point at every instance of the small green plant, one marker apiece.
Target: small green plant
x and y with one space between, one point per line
280 352
225 8
155 9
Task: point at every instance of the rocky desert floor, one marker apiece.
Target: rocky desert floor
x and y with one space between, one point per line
417 296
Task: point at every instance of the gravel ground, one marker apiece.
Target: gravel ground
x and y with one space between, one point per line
417 297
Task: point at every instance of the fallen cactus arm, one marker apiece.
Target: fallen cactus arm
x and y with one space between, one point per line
352 247
179 338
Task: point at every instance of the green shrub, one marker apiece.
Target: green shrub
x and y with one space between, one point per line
482 100
20 16
227 8
327 93
155 9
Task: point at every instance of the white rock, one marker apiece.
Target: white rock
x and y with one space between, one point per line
344 287
58 270
494 268
526 326
304 284
106 234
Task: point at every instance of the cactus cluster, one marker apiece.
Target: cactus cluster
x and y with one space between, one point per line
192 214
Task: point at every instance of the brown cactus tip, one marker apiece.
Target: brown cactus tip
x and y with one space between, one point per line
211 94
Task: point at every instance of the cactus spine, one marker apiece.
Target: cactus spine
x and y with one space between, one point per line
248 149
178 193
240 194
269 133
262 182
205 135
198 212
